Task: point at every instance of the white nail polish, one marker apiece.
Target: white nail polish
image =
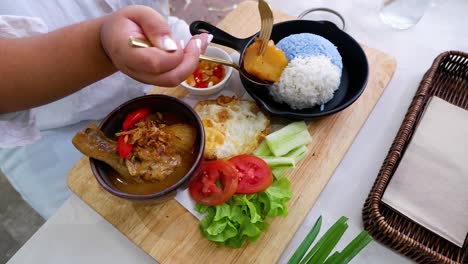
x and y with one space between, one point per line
198 43
182 43
169 44
210 38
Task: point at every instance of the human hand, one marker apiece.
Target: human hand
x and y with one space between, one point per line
168 63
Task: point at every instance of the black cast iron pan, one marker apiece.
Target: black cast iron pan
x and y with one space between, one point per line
353 79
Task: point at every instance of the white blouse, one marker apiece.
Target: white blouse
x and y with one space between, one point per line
35 145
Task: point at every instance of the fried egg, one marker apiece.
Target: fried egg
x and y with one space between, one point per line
232 126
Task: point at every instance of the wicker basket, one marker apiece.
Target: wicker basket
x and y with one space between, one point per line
447 79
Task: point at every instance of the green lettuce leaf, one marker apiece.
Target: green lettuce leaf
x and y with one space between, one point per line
278 194
216 227
222 211
201 208
244 217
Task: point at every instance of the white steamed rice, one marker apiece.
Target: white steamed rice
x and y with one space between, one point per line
307 82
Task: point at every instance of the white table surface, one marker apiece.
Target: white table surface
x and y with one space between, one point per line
76 234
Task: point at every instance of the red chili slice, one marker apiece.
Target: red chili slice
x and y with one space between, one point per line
201 85
218 71
134 117
197 74
123 147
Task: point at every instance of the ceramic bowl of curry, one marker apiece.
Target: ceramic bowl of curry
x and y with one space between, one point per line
167 148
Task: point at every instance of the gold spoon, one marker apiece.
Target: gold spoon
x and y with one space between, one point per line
266 18
142 43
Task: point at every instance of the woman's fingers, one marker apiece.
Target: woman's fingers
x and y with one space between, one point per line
154 60
153 25
168 63
174 77
185 68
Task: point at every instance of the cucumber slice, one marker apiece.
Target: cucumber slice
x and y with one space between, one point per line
297 152
263 150
280 172
279 161
301 156
278 139
285 144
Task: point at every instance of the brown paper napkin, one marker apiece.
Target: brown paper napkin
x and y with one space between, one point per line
430 185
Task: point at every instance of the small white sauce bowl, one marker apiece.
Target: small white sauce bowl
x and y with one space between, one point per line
217 53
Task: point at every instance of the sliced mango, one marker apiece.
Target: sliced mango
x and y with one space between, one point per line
268 66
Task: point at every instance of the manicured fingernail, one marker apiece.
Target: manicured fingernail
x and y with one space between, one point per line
182 43
198 43
210 38
169 44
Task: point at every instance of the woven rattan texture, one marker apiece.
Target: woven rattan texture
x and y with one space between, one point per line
447 79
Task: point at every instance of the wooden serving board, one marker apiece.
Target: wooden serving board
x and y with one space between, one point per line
170 234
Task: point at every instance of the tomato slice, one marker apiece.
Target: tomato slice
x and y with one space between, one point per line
216 183
123 147
254 174
134 117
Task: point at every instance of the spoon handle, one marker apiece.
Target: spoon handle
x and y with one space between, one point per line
219 61
142 43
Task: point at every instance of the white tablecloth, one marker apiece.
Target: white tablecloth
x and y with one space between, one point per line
76 234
